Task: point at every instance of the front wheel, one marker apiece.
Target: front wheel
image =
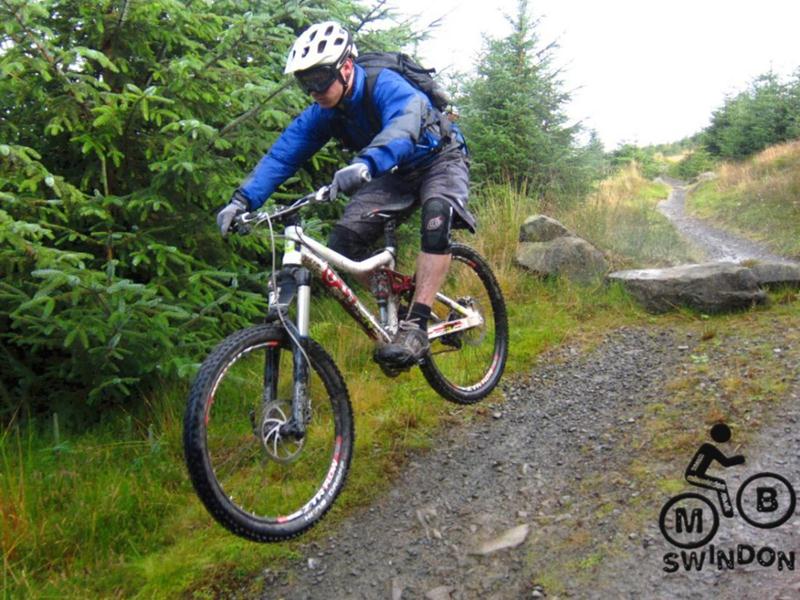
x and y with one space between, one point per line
256 479
465 366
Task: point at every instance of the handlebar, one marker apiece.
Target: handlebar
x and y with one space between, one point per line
245 222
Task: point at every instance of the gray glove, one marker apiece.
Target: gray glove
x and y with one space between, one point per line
237 206
349 179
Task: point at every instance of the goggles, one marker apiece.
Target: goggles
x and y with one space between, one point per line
317 79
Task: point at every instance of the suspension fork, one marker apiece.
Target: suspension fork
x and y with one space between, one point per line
301 408
298 340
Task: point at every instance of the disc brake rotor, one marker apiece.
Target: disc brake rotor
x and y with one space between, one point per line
280 448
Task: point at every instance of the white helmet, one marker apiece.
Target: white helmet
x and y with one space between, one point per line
320 45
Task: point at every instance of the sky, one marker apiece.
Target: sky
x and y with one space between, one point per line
639 71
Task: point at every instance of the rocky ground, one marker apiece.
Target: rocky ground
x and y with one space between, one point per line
556 491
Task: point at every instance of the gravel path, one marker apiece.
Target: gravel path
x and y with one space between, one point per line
544 474
776 448
537 498
717 244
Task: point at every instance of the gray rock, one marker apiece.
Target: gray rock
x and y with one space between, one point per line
775 274
443 592
707 176
566 256
541 228
708 287
508 539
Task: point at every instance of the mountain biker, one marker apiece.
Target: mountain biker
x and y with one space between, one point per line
404 162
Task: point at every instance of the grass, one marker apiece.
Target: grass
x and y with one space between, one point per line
620 217
111 513
759 198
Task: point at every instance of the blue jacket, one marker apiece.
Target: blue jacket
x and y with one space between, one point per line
407 137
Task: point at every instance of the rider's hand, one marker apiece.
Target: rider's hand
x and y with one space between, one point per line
237 206
349 179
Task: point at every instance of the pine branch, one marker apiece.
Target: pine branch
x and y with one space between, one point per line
249 114
87 113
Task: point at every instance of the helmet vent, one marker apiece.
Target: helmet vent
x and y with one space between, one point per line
312 36
329 30
321 46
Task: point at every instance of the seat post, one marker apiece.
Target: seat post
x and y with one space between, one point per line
390 235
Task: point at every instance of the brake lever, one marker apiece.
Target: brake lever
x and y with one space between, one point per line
242 224
323 194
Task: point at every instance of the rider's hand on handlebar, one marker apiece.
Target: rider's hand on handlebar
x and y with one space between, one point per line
237 206
349 179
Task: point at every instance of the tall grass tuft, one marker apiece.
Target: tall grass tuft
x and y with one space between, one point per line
500 211
620 217
760 198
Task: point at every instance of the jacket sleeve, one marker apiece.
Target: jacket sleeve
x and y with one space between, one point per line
402 109
299 142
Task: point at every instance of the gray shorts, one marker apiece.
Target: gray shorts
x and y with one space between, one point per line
399 194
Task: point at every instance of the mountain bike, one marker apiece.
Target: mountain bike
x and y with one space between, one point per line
268 430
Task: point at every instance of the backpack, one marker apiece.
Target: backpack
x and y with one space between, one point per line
417 75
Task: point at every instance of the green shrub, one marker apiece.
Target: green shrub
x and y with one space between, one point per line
124 127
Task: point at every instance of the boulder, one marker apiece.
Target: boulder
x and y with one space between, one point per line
541 228
567 256
708 287
775 274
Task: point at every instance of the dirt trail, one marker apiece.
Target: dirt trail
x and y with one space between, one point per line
716 243
540 498
552 465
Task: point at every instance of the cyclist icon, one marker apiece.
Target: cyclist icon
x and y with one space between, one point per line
690 520
707 454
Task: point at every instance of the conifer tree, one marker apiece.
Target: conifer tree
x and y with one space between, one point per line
514 116
124 125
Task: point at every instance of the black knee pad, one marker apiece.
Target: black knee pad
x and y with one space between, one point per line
348 243
437 217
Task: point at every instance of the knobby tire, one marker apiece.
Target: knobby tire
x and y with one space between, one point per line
225 454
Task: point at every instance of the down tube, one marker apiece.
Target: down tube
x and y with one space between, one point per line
345 296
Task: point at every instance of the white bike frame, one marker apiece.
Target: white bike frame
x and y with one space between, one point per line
304 251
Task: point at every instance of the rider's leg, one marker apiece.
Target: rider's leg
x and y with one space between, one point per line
362 222
411 342
433 261
351 244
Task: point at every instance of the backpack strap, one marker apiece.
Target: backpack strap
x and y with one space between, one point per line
372 111
445 128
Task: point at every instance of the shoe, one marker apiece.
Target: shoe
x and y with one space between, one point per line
409 346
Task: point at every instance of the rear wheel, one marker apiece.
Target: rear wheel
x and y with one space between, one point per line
465 366
255 477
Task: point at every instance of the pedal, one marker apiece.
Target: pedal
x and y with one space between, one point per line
453 340
390 370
